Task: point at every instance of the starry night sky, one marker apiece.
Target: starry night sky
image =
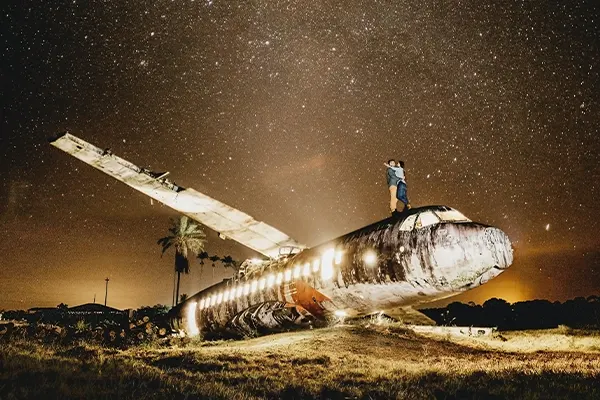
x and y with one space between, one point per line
287 110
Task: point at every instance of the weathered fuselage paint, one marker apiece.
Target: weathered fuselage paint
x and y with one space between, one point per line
377 268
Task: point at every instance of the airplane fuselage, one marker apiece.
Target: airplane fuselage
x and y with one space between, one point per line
385 266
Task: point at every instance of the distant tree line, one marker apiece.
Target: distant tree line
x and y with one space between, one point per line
580 312
63 315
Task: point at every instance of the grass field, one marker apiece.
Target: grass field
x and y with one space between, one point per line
376 362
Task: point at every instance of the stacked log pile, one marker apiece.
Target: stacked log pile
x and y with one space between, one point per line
145 330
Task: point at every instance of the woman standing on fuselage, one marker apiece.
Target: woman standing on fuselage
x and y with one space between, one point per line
397 184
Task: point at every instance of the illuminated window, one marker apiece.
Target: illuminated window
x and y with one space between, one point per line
219 298
425 219
192 326
213 299
297 270
239 291
452 215
226 295
338 257
327 264
270 280
370 258
261 283
316 265
201 306
253 286
279 278
287 275
306 269
408 223
246 289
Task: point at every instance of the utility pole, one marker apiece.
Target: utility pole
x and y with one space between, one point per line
94 298
106 292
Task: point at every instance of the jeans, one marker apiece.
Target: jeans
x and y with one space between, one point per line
402 194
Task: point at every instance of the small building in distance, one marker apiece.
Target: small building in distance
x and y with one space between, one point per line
94 309
94 313
91 313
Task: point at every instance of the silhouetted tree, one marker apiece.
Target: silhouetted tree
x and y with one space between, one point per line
214 259
533 314
203 256
151 311
498 311
229 262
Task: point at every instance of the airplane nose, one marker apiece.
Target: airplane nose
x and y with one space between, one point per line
501 248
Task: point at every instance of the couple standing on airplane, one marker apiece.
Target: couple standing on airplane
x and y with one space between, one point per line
396 180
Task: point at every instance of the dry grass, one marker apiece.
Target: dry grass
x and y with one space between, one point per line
550 340
379 362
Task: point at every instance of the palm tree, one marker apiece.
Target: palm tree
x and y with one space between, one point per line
188 239
214 259
202 256
229 262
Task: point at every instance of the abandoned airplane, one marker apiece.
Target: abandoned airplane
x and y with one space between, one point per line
426 254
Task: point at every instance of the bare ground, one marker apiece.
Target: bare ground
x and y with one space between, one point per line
374 362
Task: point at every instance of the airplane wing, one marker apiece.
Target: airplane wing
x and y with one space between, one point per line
227 221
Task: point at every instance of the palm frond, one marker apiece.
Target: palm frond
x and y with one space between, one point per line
165 248
166 243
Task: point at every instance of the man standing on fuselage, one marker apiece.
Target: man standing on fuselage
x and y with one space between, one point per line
392 182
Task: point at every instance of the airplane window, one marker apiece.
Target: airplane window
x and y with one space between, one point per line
408 223
425 219
452 216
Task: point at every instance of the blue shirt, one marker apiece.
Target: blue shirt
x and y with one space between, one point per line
399 173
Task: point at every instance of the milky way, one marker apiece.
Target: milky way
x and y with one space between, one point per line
287 110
